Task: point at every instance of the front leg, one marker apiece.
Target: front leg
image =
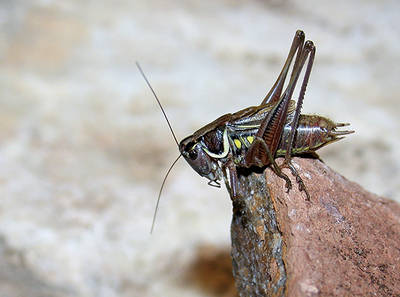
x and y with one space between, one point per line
231 182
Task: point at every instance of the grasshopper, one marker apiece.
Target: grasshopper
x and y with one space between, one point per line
255 136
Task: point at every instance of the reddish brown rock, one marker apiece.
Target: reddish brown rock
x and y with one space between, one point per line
345 241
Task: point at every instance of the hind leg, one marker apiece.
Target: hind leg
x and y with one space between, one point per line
309 49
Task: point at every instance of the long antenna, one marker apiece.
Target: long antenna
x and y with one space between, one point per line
159 194
158 101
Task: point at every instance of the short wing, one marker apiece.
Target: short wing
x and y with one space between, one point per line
250 119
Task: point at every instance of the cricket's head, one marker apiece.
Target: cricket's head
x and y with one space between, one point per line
195 154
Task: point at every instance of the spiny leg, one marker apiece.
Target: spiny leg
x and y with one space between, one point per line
309 49
261 152
272 126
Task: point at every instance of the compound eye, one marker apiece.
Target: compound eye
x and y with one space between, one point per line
193 154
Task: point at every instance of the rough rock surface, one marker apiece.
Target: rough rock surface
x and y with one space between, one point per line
343 242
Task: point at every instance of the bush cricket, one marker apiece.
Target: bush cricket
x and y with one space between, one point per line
255 136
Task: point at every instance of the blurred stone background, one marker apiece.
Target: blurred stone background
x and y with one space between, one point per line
84 147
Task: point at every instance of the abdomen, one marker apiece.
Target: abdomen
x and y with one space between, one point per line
312 133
